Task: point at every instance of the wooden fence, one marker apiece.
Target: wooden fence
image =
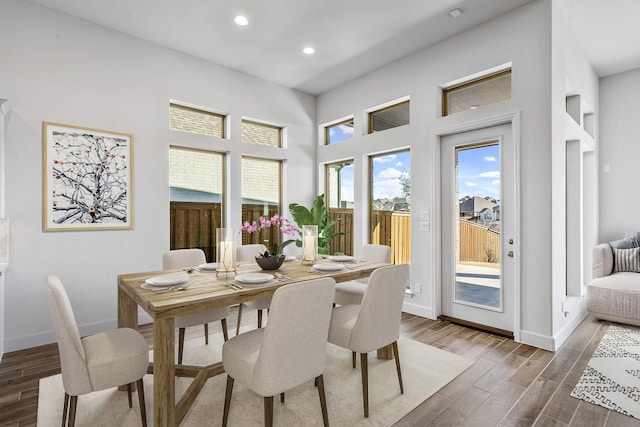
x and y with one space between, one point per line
478 243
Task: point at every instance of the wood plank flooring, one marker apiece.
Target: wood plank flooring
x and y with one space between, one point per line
510 384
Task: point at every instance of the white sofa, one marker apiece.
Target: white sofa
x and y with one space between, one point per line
613 296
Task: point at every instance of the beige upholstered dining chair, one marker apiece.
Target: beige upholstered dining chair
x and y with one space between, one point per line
352 292
373 324
97 362
183 258
248 253
289 351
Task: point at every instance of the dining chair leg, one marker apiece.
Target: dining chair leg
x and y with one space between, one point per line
268 411
323 400
129 395
225 334
353 359
206 334
396 356
73 404
227 401
65 409
180 344
364 368
259 319
141 401
239 318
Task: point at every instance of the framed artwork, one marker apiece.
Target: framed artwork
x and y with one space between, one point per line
88 178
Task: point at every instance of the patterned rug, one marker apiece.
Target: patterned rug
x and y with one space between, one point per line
612 376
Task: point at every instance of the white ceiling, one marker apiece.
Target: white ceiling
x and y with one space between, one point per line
351 37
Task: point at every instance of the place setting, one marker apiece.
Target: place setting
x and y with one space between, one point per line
167 282
253 279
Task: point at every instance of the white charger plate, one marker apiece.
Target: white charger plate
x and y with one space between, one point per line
326 266
208 266
290 258
341 258
167 280
254 277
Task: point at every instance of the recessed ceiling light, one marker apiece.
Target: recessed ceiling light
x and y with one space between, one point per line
455 13
308 50
241 20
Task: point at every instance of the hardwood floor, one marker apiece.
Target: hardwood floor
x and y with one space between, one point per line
510 384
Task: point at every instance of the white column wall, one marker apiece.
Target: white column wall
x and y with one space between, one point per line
61 69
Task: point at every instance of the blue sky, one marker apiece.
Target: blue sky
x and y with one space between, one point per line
479 171
386 169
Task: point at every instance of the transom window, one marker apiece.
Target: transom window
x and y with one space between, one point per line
338 132
187 119
477 93
260 133
389 117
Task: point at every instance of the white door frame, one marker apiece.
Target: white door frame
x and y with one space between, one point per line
438 134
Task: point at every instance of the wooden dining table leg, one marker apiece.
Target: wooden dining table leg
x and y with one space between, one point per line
164 395
385 352
127 318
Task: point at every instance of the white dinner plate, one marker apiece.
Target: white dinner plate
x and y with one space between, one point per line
326 266
208 266
290 258
167 280
341 258
254 277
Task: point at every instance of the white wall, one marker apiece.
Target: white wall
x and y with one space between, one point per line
61 69
620 150
523 38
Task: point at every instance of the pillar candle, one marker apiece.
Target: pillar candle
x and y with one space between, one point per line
309 248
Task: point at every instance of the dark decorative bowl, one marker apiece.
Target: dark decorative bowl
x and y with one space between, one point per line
270 263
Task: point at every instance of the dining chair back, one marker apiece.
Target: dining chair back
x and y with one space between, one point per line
351 292
184 258
289 351
375 323
97 362
248 253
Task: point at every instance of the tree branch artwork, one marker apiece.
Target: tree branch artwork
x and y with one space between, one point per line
88 178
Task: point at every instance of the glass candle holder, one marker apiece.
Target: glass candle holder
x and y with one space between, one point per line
225 251
309 244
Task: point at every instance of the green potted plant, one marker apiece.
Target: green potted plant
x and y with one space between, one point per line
317 215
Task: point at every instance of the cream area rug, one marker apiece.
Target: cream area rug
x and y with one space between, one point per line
612 376
425 370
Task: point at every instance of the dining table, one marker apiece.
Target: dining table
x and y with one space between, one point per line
205 290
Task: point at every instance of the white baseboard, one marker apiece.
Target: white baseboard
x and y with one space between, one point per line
535 339
418 310
579 314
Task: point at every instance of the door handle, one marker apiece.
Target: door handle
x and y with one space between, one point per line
510 254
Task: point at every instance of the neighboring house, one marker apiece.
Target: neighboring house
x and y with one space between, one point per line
472 207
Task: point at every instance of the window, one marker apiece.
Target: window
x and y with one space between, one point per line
260 133
261 196
339 193
338 132
476 93
389 117
192 120
196 181
390 203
